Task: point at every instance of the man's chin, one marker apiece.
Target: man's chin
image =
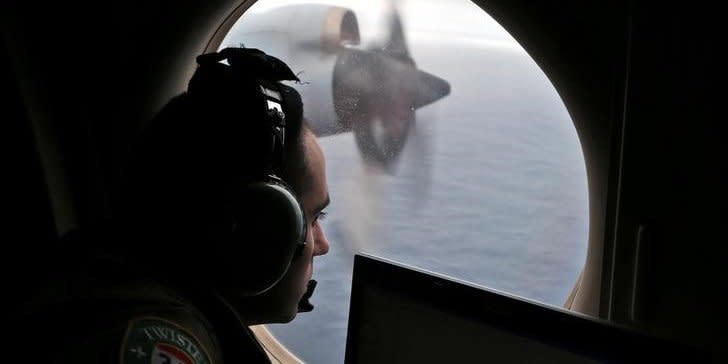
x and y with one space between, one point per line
285 317
288 318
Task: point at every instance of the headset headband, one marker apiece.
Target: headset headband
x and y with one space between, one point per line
250 66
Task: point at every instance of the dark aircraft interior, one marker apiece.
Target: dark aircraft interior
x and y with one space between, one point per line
640 80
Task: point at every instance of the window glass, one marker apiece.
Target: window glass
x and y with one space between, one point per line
447 148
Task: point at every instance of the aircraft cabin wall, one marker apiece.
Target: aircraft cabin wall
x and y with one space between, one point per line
90 74
659 185
28 219
670 236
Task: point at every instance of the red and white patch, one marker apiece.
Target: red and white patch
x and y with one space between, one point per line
168 354
154 340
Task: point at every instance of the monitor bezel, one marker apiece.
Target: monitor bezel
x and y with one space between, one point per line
551 325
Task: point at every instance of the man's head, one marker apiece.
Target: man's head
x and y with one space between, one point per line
281 303
182 198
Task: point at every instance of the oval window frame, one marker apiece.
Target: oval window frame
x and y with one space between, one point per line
586 296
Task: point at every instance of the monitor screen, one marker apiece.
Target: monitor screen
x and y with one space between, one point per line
400 314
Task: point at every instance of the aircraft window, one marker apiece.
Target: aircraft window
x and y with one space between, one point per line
447 148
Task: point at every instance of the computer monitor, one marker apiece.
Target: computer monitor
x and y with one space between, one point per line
400 314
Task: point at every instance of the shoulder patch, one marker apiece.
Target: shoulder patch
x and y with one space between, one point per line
159 341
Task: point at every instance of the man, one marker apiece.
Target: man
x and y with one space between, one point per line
201 245
280 303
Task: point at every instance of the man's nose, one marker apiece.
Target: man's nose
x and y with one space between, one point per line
321 243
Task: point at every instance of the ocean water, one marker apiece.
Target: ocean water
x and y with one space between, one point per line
491 188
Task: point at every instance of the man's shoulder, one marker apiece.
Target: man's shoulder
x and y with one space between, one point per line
127 324
166 340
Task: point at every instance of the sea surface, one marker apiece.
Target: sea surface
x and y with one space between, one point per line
491 188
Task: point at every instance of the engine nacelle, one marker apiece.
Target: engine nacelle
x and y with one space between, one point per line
309 38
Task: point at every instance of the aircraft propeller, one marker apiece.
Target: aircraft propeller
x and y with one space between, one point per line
377 92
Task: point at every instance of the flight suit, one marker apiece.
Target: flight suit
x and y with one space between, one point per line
138 322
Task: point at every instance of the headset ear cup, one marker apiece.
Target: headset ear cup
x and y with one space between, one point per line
267 225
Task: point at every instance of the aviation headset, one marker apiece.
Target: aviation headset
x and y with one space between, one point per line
261 211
